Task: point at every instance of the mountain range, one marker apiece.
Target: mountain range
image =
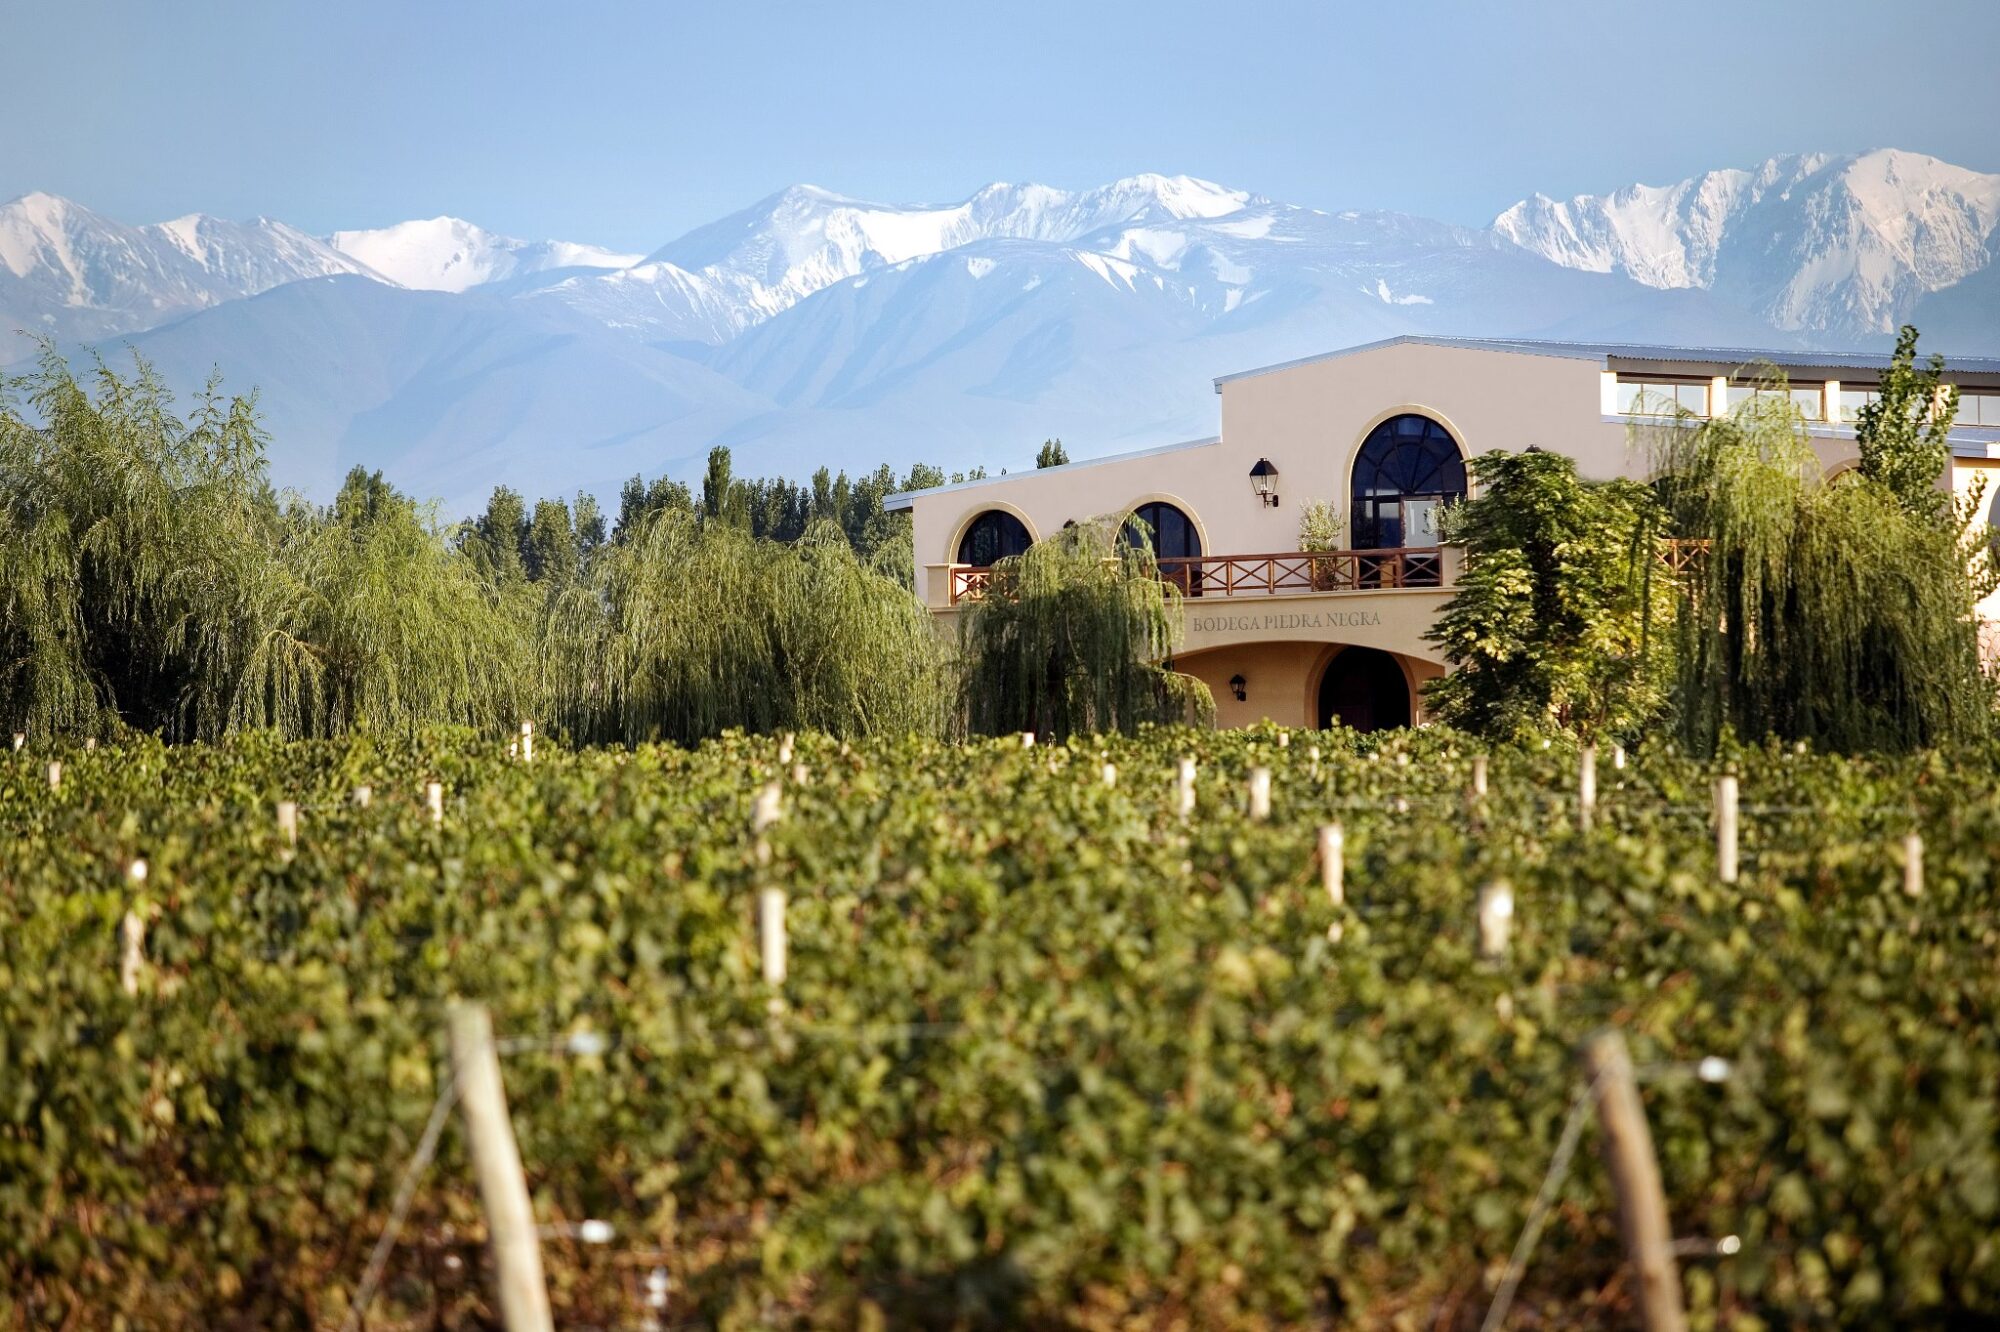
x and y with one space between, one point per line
812 328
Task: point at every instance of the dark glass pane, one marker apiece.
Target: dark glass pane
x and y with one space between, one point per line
993 536
1404 456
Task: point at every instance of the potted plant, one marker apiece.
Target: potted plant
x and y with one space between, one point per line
1319 529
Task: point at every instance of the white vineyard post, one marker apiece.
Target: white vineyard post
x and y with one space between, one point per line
55 774
363 795
1496 918
434 801
20 739
1184 788
785 749
1479 776
764 813
1110 774
1027 739
1725 828
771 937
527 742
1333 862
288 822
132 931
1913 865
1260 793
1618 757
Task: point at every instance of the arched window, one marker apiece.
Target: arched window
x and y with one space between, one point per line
992 537
1167 530
1408 466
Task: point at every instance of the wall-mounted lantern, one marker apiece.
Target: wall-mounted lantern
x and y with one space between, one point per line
1236 685
1264 480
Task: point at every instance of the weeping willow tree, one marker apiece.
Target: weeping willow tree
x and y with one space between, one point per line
1070 637
691 628
1822 609
150 577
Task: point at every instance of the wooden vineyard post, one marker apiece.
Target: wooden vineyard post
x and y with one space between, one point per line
132 932
771 936
1635 1177
1725 829
1586 787
1260 793
1333 863
496 1165
1184 788
1913 865
1496 919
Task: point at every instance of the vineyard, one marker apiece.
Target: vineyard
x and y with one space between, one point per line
1048 1051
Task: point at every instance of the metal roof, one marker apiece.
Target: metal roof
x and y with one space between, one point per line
1606 352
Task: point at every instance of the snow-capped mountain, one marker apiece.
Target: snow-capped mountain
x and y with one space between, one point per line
68 273
450 254
1843 245
720 279
818 328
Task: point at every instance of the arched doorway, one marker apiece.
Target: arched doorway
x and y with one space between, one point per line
1364 688
1174 539
1406 470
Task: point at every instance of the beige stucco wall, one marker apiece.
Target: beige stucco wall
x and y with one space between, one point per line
1281 680
1309 419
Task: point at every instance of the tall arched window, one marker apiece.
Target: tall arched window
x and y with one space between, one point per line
992 537
1170 532
1172 535
1408 466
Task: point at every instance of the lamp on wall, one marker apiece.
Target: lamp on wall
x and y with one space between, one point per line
1264 480
1236 683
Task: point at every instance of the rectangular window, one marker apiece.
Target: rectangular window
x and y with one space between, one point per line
1981 409
1808 401
1852 400
1661 397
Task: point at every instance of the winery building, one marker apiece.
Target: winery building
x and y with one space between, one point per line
1384 432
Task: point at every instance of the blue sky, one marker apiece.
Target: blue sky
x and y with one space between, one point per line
625 124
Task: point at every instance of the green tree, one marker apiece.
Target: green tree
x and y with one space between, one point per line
551 552
1069 638
1551 623
1052 454
496 539
589 525
1902 434
1834 610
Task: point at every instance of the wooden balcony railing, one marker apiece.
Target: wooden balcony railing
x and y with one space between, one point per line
1296 571
1267 575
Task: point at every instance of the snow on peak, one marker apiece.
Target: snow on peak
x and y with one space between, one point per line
1810 241
451 254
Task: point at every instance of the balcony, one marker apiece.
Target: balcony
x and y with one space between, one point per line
1285 573
1302 573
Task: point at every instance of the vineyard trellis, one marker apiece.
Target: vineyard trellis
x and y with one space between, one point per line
1052 1050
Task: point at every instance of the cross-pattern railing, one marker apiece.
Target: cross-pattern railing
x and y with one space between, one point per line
1304 571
